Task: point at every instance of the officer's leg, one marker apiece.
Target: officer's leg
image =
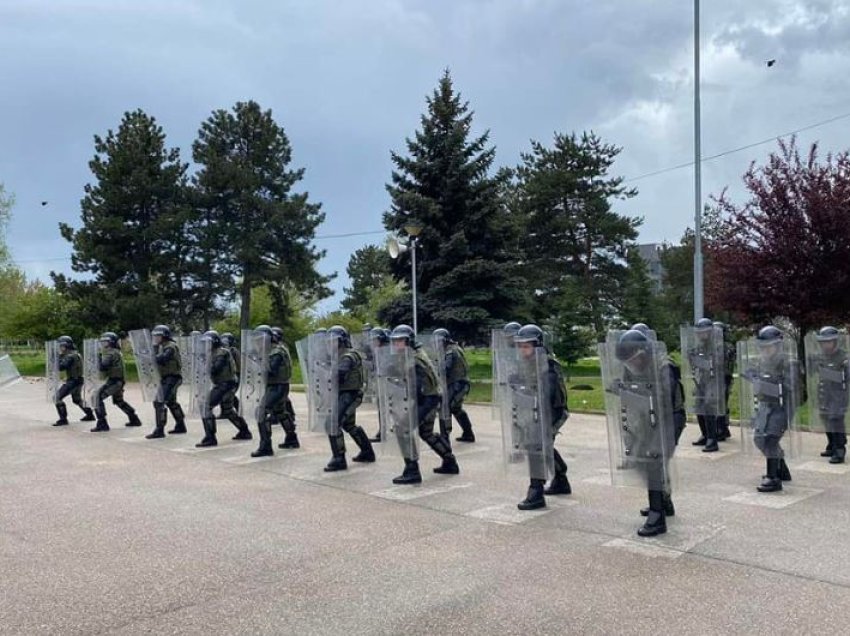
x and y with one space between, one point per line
270 402
560 484
407 445
534 498
286 415
348 423
216 396
377 436
58 399
701 440
456 406
174 406
100 406
839 440
427 415
710 423
228 411
77 398
656 522
769 446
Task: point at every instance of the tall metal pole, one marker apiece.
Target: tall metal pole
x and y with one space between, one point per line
413 278
698 287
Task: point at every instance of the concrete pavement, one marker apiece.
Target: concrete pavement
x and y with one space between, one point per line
114 534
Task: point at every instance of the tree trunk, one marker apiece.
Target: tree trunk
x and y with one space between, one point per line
245 309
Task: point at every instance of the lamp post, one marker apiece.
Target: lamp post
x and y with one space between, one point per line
396 246
698 281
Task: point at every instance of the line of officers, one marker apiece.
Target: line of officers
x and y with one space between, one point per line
418 381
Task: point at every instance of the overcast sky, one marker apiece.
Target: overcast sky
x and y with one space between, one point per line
348 78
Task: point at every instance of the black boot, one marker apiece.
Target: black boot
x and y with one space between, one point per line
244 431
101 427
830 447
290 441
134 421
771 482
782 471
448 467
209 433
838 456
710 435
669 508
88 415
337 462
265 448
411 474
179 424
62 410
377 437
159 422
723 432
701 441
534 498
559 485
367 453
656 522
466 427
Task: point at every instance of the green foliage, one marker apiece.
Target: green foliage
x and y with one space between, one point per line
7 201
367 269
260 228
466 269
38 312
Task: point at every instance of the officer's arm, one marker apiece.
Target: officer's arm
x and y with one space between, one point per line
104 361
451 361
346 364
64 363
420 380
275 362
219 363
165 355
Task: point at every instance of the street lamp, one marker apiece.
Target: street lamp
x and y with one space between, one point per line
397 246
698 280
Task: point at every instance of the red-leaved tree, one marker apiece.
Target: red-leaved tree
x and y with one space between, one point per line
786 251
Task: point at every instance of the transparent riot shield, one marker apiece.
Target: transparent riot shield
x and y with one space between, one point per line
639 414
828 379
362 343
502 350
184 345
51 370
256 346
8 372
436 350
143 352
92 381
396 374
302 350
323 383
526 414
199 360
703 367
770 396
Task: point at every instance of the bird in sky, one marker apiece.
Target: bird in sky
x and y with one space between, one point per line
770 63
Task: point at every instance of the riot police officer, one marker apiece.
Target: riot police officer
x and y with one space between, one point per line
111 367
287 418
833 376
701 358
428 402
528 340
349 397
229 340
775 385
72 364
730 354
278 377
167 357
378 337
223 374
457 387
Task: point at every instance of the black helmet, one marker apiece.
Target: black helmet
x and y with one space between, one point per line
443 334
110 338
530 333
340 332
630 344
228 339
722 325
213 337
512 327
380 334
162 330
825 334
265 329
321 330
277 334
644 329
769 335
367 328
704 324
403 332
65 341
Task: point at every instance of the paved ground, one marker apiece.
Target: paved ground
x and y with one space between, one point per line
115 534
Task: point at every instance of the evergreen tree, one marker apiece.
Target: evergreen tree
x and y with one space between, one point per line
131 242
466 279
257 230
367 268
574 244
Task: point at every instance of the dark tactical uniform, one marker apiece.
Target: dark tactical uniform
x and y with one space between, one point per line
278 378
774 381
730 356
71 364
230 345
167 356
833 375
111 366
350 396
457 388
378 337
223 375
428 401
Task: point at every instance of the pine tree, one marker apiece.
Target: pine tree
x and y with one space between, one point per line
259 229
466 271
366 270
